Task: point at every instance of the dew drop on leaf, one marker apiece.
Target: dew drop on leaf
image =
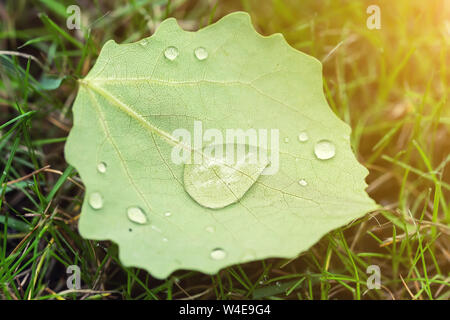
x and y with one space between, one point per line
302 182
218 254
219 181
96 201
101 167
210 229
137 215
168 214
324 150
171 53
201 53
303 136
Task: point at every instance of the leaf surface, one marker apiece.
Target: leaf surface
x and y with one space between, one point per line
137 94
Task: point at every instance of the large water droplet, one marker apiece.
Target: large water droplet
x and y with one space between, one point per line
218 254
96 201
101 167
303 136
325 149
171 53
220 181
137 215
201 53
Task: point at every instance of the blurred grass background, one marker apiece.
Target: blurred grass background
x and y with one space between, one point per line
390 84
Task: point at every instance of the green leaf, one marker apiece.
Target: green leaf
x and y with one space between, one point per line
228 77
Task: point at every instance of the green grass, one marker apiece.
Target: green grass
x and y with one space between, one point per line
390 85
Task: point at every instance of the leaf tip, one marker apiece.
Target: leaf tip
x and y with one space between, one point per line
168 25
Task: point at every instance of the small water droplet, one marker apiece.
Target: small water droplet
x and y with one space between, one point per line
165 240
136 215
286 140
168 214
210 229
201 53
101 167
278 284
303 136
218 254
302 182
171 53
324 150
143 42
96 201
